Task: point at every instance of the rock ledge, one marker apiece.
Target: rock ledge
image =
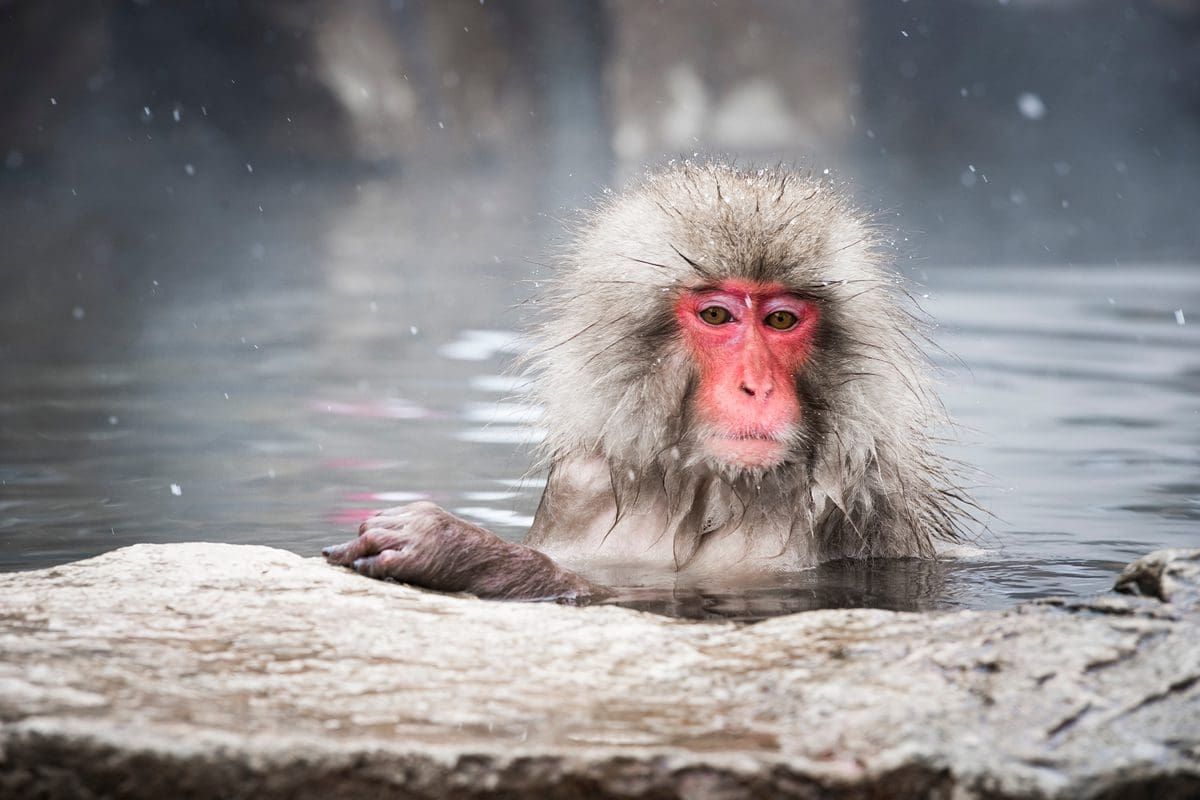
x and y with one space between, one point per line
208 670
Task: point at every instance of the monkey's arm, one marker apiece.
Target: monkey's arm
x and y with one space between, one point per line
425 545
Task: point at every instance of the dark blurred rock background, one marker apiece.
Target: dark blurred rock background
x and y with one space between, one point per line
213 140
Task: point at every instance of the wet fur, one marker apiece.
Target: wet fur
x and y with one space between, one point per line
615 381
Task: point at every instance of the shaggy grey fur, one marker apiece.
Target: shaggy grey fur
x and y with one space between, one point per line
615 382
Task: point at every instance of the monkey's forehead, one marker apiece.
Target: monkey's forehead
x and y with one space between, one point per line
698 223
764 192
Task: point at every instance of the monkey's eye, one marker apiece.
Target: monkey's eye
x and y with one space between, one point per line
781 320
715 315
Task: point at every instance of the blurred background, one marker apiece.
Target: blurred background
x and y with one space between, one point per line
261 262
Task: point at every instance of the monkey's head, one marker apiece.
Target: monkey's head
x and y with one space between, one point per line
739 321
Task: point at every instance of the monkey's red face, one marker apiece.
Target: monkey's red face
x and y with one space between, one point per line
750 341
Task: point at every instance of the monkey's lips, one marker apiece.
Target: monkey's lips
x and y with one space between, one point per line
751 450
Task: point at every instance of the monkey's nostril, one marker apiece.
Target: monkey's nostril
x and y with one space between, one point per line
748 390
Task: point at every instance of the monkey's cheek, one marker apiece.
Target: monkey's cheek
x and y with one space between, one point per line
747 453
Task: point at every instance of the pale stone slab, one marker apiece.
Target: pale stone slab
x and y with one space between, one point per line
211 670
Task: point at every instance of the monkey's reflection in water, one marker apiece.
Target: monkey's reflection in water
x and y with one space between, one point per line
907 584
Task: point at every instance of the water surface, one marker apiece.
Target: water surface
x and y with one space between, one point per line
365 368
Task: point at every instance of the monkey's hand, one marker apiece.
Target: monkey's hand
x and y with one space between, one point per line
425 545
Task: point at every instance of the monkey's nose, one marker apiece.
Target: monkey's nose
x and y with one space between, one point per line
756 389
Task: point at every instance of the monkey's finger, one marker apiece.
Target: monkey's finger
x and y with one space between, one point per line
377 520
392 511
371 542
393 518
345 553
387 564
368 543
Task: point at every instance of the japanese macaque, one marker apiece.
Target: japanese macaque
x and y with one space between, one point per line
729 383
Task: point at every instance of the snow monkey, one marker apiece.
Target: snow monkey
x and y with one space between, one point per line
729 383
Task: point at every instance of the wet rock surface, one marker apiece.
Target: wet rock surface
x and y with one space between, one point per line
211 670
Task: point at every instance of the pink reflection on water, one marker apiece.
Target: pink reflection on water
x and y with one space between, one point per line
393 408
349 517
353 515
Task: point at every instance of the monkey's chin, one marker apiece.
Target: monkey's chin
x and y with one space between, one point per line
750 453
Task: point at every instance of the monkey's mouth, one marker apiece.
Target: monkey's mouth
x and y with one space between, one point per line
748 449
